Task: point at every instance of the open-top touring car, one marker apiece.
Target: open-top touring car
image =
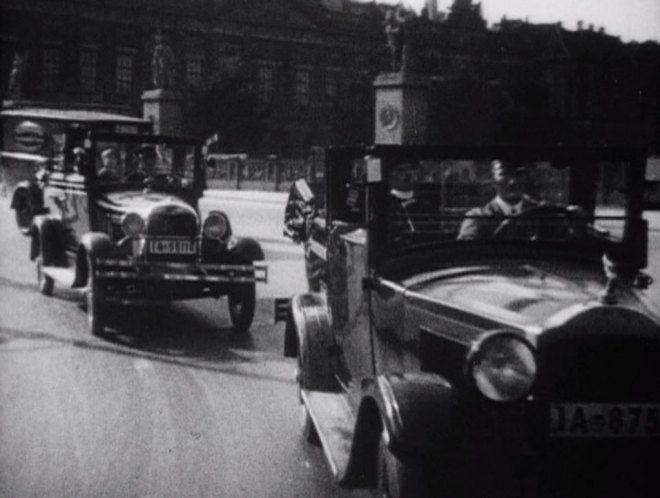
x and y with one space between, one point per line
121 222
519 359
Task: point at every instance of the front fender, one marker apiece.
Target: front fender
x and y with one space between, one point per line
246 250
48 241
30 191
93 244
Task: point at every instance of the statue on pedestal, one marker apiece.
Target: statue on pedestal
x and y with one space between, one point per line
162 65
395 29
15 87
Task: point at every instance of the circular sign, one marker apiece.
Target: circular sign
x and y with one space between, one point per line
389 117
29 136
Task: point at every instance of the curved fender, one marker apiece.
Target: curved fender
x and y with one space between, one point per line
48 241
419 414
31 191
247 249
308 335
92 244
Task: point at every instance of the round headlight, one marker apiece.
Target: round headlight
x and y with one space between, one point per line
503 367
132 224
216 225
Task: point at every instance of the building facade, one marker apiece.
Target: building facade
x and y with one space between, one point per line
279 76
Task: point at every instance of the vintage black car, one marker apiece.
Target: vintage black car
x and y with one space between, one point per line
122 224
520 359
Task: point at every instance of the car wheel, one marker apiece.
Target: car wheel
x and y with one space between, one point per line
24 216
242 301
395 478
96 307
46 283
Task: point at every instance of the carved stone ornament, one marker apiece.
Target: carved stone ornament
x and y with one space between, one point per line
389 117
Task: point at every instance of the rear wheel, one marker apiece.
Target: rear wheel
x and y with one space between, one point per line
46 283
242 302
24 215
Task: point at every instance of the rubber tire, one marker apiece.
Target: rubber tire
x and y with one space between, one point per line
242 300
46 284
24 215
96 307
395 478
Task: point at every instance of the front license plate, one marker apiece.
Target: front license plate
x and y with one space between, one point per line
173 247
598 420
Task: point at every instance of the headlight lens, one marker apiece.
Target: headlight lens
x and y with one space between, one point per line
216 225
132 224
503 367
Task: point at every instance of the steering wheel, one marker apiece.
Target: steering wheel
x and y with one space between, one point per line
163 180
545 221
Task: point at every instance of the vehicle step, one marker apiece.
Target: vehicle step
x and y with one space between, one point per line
334 423
63 276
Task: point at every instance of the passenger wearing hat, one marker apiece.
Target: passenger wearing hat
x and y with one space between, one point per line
509 180
404 207
109 164
79 162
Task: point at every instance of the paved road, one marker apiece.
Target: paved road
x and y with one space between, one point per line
171 404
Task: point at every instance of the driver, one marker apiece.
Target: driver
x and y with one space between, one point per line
509 180
146 165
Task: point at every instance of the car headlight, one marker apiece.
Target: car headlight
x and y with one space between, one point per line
502 367
132 224
216 226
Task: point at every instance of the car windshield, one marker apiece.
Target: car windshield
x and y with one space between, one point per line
471 200
163 163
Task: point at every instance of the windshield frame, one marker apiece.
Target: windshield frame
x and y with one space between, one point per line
93 139
372 213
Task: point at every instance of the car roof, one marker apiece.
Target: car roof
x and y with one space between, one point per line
76 115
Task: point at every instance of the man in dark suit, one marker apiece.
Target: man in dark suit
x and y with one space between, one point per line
509 180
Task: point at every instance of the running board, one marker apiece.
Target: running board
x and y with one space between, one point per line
334 424
63 276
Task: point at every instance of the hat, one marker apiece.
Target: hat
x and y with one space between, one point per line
506 169
147 152
110 151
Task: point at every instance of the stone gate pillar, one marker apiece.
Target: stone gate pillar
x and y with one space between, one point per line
164 109
401 108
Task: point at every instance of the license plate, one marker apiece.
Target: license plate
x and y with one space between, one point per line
173 247
598 420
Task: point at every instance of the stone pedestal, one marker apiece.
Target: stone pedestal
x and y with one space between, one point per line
164 109
401 109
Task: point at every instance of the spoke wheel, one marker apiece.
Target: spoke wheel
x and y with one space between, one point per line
24 216
45 283
242 302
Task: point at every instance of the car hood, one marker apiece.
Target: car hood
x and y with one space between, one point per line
143 202
519 295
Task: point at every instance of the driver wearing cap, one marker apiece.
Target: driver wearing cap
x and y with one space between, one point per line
509 180
146 157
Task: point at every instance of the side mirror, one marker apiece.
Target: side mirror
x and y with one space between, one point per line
300 209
